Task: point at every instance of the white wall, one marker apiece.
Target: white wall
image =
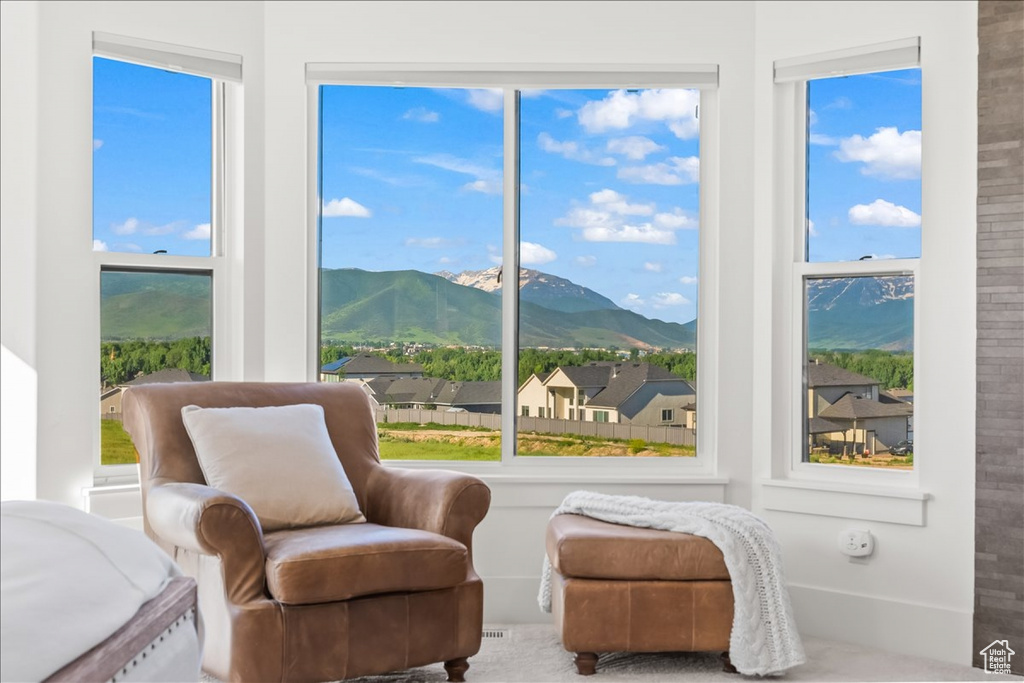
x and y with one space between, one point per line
915 595
19 77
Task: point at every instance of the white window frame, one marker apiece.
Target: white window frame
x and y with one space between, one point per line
512 78
222 265
791 77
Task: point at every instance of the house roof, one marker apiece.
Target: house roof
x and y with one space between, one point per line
853 407
628 378
827 375
434 390
364 363
594 374
167 375
818 425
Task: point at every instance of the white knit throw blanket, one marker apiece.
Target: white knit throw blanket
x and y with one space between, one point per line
764 638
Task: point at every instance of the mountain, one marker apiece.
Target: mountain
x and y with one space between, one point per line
543 289
162 306
857 313
359 305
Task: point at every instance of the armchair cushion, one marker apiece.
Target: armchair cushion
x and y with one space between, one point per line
327 564
278 459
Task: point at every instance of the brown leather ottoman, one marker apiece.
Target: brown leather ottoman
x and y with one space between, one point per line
626 589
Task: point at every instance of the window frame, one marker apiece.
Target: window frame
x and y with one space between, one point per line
791 109
225 272
512 79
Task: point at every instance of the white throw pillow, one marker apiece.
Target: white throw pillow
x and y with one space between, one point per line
278 459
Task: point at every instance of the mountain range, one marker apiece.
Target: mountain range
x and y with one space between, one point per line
465 309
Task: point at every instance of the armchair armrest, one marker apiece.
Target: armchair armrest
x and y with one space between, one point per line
448 503
209 521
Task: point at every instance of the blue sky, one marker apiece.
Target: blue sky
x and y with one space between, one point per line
412 177
864 166
609 180
151 160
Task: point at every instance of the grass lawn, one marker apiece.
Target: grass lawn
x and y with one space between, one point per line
115 445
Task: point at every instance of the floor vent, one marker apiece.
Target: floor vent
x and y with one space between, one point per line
494 633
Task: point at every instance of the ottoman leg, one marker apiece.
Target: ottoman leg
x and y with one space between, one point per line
456 669
586 663
727 666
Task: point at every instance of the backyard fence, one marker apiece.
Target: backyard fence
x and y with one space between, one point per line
677 436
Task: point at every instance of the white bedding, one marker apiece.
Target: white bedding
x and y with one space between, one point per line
68 580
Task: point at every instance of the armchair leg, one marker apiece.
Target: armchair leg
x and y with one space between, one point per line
586 663
456 669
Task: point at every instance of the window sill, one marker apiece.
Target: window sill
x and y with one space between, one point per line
870 503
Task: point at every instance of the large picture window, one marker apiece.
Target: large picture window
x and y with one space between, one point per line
432 198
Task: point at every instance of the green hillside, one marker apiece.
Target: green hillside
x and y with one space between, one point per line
162 306
408 305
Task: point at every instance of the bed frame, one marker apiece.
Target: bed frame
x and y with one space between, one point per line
118 653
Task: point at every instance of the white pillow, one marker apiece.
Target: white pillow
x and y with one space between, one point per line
278 459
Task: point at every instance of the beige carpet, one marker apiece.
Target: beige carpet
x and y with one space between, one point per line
531 654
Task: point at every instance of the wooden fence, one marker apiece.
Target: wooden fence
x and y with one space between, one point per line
677 436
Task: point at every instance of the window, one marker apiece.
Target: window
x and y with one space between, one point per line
594 215
666 415
855 271
158 142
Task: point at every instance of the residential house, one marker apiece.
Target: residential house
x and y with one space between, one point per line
365 367
431 393
110 397
849 413
608 391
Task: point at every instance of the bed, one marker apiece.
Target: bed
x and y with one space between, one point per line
85 599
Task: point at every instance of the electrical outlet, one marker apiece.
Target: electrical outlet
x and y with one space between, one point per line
856 542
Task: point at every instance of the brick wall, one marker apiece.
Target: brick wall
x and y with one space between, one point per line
999 506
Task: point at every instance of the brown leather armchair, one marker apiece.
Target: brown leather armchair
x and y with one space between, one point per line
316 603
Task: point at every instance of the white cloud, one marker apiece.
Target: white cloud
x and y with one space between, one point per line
644 234
99 245
431 242
487 180
810 228
887 154
824 140
611 200
563 113
96 144
531 254
667 299
812 117
676 171
486 99
345 207
881 212
653 266
605 220
587 261
200 232
632 301
688 280
573 151
127 228
621 109
484 186
126 246
676 220
446 260
421 115
634 147
842 102
493 254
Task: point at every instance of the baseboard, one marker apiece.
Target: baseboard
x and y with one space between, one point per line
892 625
